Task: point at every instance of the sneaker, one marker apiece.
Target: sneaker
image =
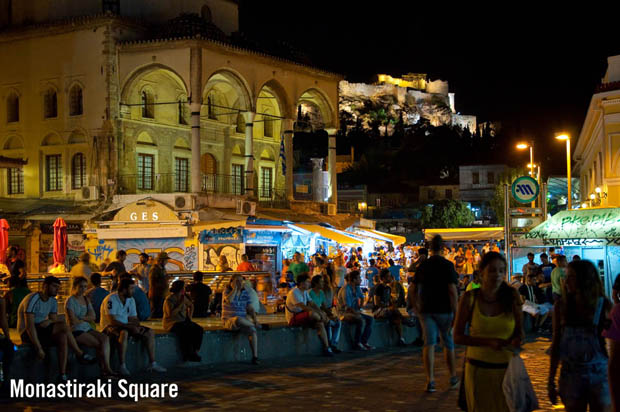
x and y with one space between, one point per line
328 352
335 349
360 346
401 342
123 371
430 387
87 359
454 382
368 347
155 367
255 360
63 378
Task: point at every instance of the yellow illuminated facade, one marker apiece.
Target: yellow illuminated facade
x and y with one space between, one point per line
411 80
597 153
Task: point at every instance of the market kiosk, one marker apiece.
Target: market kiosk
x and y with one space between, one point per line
593 234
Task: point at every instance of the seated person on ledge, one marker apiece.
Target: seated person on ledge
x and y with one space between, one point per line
38 324
384 305
178 311
238 313
119 320
534 301
349 298
301 311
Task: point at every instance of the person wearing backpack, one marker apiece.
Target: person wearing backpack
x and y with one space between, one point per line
579 318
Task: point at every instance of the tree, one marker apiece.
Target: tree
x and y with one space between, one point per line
447 214
497 203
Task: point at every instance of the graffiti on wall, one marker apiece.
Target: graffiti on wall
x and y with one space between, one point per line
102 251
174 247
212 255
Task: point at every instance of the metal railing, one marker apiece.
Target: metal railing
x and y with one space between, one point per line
275 199
156 182
224 184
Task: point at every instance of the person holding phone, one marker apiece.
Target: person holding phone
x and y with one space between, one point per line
178 312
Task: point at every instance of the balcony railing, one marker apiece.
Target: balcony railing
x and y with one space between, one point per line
274 198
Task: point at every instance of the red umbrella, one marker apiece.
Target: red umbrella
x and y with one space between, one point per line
60 241
4 239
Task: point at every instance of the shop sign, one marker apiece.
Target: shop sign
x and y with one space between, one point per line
262 237
581 242
72 228
146 211
222 236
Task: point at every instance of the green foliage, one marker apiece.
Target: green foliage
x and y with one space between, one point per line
447 213
497 203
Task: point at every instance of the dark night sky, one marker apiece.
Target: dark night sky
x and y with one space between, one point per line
532 69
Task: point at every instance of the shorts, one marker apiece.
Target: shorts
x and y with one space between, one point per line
301 319
77 333
537 309
44 334
232 325
115 332
434 324
585 385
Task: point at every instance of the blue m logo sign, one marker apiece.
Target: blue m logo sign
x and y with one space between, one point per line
524 190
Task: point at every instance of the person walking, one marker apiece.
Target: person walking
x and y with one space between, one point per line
494 315
579 317
435 299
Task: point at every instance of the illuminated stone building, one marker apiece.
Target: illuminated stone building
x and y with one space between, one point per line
597 152
112 100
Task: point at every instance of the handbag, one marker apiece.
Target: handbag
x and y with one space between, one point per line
517 386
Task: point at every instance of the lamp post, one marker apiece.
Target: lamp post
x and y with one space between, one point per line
566 137
523 146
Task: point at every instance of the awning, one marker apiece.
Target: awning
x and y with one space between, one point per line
395 239
331 234
465 234
374 236
581 227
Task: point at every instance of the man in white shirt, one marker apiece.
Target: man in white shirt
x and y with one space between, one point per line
301 311
142 272
119 320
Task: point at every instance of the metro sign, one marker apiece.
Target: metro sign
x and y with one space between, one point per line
525 189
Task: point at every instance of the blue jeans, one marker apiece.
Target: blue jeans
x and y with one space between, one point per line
585 385
437 324
333 332
363 326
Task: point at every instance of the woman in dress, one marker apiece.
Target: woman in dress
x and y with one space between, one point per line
495 324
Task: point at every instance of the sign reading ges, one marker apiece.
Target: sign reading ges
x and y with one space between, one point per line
144 217
525 189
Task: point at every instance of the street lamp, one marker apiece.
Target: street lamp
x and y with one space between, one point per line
523 146
566 137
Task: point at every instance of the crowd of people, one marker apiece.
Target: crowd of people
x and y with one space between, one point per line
453 295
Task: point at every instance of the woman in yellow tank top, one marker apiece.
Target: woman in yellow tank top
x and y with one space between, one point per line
495 323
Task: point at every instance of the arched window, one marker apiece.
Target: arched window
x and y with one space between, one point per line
182 112
12 108
205 13
148 105
240 123
208 168
50 104
78 171
267 124
75 101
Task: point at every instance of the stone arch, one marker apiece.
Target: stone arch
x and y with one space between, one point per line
13 143
77 136
274 88
145 138
233 86
143 71
52 139
316 98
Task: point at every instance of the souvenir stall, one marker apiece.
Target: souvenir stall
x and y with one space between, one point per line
592 234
